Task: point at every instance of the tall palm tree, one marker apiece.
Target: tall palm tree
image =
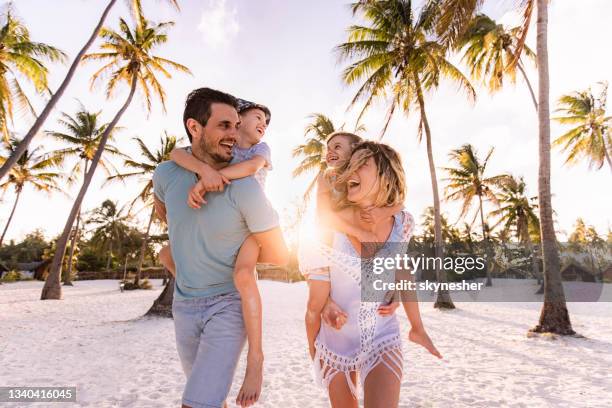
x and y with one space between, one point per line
590 138
36 169
10 162
130 62
82 132
517 212
395 55
111 227
467 181
136 8
143 170
21 59
453 19
490 50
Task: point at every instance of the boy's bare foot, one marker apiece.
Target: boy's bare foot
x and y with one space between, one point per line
419 336
251 386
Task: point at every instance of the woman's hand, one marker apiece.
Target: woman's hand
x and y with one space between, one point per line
420 337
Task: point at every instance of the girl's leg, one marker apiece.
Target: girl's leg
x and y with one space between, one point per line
382 385
165 258
340 395
318 293
244 279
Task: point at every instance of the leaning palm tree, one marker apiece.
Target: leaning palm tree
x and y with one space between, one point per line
10 162
467 181
136 8
130 61
35 169
517 212
490 51
21 59
82 132
395 55
590 138
452 21
143 170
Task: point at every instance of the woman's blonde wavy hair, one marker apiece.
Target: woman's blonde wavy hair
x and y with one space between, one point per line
391 176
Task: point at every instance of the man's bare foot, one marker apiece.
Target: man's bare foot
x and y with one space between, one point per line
251 386
420 337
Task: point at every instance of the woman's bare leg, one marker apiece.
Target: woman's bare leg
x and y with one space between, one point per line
340 395
382 386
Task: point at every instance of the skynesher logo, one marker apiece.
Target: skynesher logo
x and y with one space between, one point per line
405 262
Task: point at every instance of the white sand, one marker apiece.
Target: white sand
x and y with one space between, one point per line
94 339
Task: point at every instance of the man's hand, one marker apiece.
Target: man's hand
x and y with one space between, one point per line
212 180
333 316
195 197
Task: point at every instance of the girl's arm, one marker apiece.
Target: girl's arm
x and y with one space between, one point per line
318 293
378 213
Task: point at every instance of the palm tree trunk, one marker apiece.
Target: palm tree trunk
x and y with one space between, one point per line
23 145
533 97
606 152
143 248
52 288
485 239
75 239
109 258
554 317
443 300
162 306
18 191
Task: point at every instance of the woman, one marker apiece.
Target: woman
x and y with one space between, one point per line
368 346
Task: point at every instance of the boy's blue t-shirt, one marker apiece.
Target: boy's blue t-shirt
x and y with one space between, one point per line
205 242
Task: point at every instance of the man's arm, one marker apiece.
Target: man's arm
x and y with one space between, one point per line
273 247
160 208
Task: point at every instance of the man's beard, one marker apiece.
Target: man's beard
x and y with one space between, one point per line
210 150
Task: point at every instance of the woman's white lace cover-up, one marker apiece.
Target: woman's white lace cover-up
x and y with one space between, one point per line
367 339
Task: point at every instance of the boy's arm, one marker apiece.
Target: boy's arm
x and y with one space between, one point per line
210 178
243 169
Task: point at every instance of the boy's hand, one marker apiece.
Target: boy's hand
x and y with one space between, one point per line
212 180
195 197
420 337
333 316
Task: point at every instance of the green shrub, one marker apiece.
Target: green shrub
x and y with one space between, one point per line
11 276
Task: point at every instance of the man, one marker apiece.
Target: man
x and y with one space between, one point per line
208 319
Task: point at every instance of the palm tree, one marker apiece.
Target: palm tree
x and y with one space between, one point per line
590 138
21 58
467 181
490 50
144 170
452 22
517 212
111 227
82 132
395 55
35 169
132 63
10 162
136 8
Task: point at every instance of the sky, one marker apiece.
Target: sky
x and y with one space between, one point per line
280 53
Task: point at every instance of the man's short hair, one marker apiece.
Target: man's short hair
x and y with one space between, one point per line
199 102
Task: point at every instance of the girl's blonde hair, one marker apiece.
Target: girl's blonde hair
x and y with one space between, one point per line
391 177
353 138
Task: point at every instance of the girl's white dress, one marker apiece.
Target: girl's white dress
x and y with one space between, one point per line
367 339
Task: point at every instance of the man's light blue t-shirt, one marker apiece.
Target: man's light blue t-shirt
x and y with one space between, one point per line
206 241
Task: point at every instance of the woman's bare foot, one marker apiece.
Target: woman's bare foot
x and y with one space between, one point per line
251 386
419 336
